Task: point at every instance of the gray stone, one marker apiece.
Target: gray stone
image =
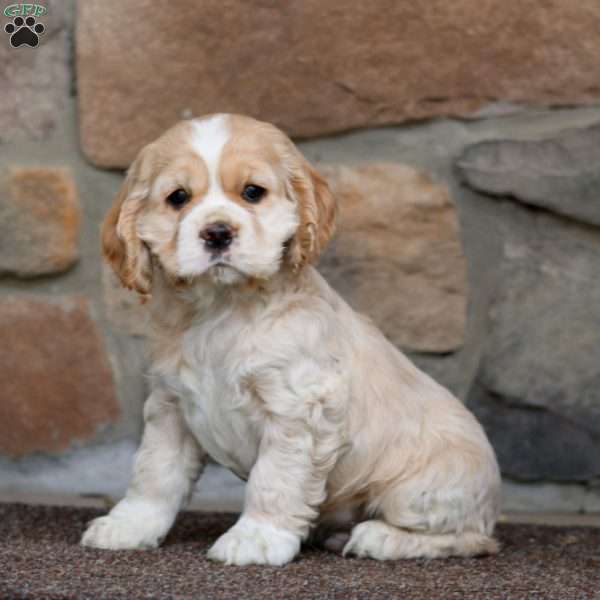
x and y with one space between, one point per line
560 173
591 502
533 444
123 307
542 497
35 81
100 474
544 344
538 392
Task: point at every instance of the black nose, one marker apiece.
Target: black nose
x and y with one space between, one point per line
217 236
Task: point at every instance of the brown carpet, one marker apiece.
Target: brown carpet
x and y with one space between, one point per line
40 558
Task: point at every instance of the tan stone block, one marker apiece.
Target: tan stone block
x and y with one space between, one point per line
315 67
397 255
56 384
39 221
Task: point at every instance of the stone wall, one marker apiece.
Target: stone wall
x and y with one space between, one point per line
469 226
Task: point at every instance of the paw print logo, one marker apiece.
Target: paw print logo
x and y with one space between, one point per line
24 32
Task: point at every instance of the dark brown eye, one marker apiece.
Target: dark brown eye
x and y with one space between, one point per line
253 193
178 198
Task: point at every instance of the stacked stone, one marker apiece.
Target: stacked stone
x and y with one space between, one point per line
57 387
538 387
482 206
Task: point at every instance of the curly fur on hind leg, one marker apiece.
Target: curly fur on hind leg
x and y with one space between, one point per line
379 540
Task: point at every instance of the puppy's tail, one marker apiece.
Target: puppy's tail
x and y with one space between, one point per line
379 540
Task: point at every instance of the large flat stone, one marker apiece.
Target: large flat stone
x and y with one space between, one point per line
543 346
397 254
56 386
316 67
35 82
560 173
536 444
538 390
39 221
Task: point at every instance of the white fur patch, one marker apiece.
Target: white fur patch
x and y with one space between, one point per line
138 524
252 542
209 138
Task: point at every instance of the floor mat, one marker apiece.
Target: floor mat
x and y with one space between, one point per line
40 557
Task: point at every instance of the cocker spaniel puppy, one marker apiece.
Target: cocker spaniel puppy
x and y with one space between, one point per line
259 364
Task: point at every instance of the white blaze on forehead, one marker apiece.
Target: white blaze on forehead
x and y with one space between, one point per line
209 137
208 140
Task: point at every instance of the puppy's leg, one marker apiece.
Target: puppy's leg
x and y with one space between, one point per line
285 487
414 521
167 463
380 540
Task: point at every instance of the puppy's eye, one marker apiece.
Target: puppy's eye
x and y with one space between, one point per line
253 193
178 198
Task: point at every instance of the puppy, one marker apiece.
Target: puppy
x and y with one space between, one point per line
259 364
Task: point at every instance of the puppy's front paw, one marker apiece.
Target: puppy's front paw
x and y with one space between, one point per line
112 533
128 526
251 542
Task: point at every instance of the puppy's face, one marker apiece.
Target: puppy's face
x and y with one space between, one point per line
223 197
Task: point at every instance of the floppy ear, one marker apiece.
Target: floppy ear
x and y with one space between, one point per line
122 248
317 210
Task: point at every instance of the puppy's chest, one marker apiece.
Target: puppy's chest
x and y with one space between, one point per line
218 403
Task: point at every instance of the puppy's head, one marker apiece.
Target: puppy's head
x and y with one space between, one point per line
223 197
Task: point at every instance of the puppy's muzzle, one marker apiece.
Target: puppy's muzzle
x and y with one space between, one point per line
218 236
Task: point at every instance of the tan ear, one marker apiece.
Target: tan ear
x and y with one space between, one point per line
122 248
317 210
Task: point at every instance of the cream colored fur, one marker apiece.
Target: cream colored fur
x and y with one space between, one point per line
258 363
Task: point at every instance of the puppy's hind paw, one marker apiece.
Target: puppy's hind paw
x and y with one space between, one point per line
369 540
379 540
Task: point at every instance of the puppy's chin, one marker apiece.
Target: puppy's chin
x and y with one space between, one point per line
218 274
202 267
222 274
230 270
